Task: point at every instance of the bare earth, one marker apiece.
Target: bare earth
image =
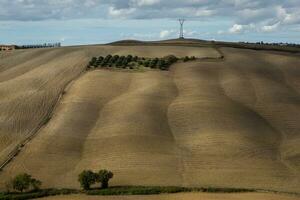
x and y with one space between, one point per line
183 196
229 123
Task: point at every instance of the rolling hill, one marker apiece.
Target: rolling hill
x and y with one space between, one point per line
230 122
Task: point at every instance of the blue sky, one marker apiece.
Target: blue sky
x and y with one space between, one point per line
75 22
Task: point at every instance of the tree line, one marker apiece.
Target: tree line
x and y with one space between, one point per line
36 46
24 182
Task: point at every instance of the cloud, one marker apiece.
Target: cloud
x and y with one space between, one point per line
142 3
166 33
270 28
239 29
236 28
245 15
120 13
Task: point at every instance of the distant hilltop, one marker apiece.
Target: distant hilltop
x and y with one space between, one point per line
7 47
31 46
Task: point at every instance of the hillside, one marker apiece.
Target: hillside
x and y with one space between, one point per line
226 123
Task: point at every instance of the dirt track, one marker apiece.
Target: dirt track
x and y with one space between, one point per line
233 123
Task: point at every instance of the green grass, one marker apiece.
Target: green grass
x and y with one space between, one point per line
37 194
137 190
225 190
144 190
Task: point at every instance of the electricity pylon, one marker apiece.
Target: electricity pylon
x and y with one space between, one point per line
181 35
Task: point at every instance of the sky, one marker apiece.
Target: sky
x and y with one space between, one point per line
74 22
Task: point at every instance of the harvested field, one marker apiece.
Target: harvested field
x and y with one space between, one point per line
183 196
221 123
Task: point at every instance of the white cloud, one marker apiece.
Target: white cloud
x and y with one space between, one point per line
120 13
166 33
270 28
189 33
141 3
264 14
287 18
236 28
204 12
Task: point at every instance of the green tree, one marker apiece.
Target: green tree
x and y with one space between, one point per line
94 59
129 58
147 63
106 60
103 177
86 179
120 61
153 62
126 61
99 61
92 62
114 59
23 182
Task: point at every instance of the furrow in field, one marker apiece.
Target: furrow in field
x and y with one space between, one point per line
227 142
27 99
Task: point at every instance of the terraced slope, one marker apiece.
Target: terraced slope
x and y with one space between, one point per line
225 123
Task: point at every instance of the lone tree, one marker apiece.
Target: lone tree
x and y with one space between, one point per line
103 177
86 179
23 182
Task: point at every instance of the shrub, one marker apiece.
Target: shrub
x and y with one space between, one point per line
162 64
86 179
138 190
36 184
186 58
37 194
103 177
171 59
135 59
